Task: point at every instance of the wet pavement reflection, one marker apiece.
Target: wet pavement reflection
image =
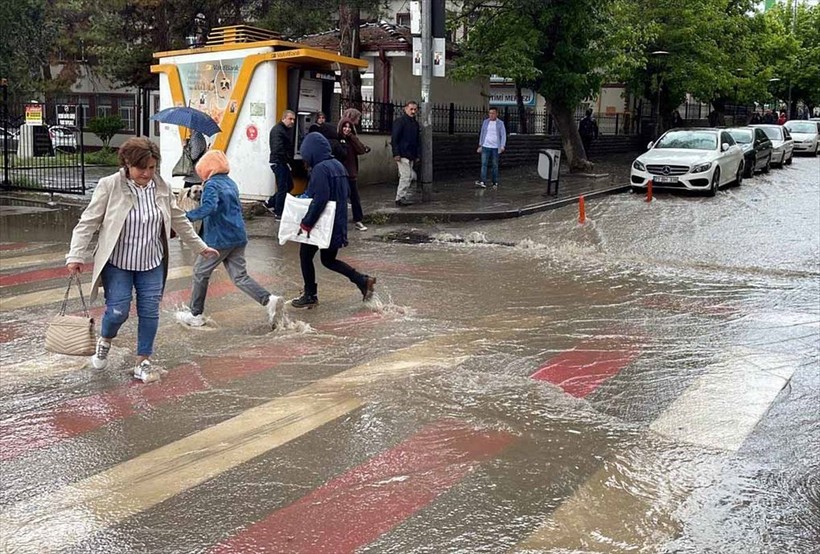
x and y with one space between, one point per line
645 382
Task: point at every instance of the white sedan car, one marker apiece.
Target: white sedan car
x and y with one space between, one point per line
782 143
699 159
806 135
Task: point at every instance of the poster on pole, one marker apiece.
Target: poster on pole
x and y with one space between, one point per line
416 56
67 115
34 114
438 57
415 18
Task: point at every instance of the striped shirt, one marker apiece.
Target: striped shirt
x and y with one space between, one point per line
139 247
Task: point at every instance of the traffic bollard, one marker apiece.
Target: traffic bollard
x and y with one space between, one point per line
649 191
582 216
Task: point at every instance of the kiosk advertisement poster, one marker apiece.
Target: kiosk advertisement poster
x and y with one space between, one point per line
208 85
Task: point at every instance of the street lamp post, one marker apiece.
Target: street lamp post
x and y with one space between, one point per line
774 98
660 55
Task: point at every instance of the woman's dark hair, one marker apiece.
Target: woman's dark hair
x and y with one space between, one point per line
137 152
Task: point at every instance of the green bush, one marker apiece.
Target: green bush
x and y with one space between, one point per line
106 156
106 127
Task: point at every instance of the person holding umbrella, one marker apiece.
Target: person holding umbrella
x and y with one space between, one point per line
134 212
195 146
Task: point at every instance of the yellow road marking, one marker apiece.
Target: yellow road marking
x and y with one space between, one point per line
50 296
616 512
81 509
33 259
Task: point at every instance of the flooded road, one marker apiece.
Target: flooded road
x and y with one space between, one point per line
645 382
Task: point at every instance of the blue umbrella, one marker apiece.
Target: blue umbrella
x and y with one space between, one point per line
188 117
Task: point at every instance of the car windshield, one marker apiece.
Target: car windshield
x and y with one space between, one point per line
689 140
743 136
801 127
774 133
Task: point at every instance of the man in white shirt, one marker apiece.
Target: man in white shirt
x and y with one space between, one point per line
491 143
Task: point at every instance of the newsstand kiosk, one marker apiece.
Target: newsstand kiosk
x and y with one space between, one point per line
244 78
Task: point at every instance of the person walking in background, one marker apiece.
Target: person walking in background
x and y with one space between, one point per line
281 156
328 181
354 149
225 231
782 119
134 212
492 141
768 117
588 129
755 119
677 121
196 146
405 140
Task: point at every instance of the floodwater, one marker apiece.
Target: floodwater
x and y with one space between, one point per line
645 382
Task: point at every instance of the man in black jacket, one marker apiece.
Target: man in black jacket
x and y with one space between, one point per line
281 156
405 139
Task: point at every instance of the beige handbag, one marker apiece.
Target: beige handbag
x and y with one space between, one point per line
71 334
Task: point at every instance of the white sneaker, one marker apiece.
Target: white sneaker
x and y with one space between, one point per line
100 358
145 373
360 226
276 311
189 319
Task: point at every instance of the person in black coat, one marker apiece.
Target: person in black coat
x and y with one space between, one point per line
281 156
677 121
328 181
406 147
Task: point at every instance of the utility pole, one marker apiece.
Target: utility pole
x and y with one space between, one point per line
426 109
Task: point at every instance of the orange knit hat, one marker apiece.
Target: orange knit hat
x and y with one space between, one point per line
212 163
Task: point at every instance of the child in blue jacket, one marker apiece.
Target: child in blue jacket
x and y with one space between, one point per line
224 228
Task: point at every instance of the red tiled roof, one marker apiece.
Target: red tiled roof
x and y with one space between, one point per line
372 36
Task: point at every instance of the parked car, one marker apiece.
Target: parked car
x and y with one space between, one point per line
806 135
9 138
699 159
63 138
782 143
757 149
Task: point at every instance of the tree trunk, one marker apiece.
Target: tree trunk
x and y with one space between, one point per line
351 80
522 114
570 139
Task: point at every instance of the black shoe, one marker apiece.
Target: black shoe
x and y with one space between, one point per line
495 185
305 301
402 202
367 288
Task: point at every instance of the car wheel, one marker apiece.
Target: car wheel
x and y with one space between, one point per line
713 188
768 166
789 161
739 176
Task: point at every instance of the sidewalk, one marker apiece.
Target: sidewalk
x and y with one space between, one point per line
520 192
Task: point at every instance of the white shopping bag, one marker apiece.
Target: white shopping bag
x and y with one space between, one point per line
292 215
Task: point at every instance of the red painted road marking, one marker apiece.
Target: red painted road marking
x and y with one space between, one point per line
359 506
36 275
81 415
10 332
582 370
14 245
363 317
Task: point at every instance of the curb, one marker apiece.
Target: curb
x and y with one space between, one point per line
394 216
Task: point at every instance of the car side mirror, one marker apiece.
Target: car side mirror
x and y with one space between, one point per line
724 147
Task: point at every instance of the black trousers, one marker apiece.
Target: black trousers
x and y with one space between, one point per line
328 258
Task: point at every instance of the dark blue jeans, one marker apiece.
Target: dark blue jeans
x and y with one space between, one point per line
489 156
284 184
117 285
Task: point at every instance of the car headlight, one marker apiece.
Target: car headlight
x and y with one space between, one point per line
700 168
638 165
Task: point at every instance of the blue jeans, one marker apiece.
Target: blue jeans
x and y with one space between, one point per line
284 184
489 155
118 284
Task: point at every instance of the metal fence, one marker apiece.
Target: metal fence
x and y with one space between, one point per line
38 154
378 117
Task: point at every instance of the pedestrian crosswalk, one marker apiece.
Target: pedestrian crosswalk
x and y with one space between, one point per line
610 508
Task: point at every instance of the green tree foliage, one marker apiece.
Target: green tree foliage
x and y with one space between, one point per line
28 35
564 50
106 127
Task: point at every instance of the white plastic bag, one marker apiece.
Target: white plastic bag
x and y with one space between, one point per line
292 215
